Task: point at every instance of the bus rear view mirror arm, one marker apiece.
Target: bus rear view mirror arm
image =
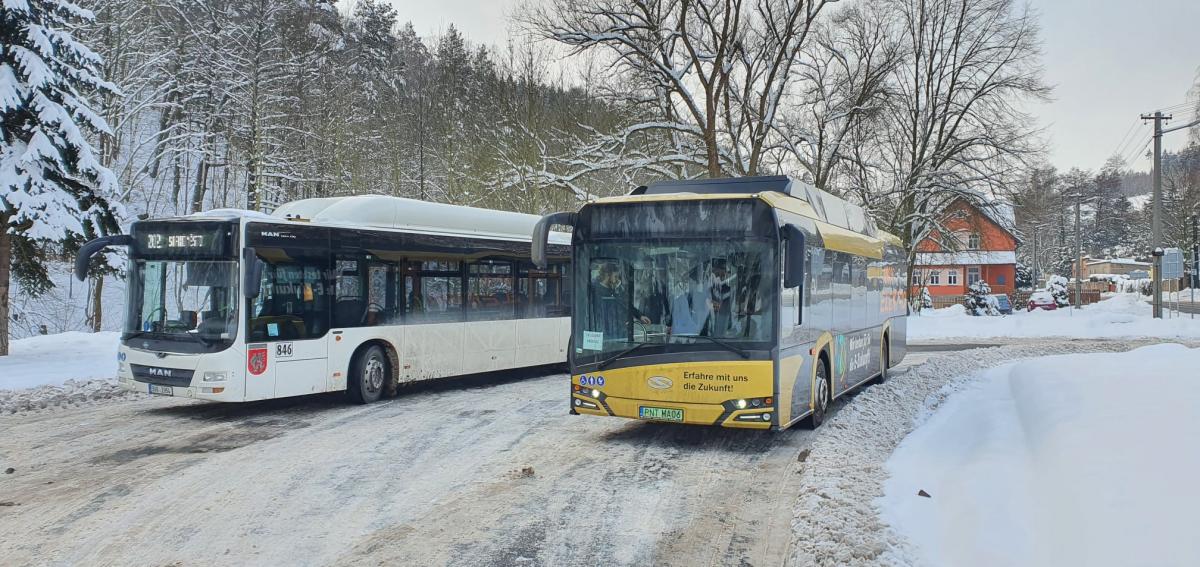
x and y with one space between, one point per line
84 257
793 271
541 233
254 268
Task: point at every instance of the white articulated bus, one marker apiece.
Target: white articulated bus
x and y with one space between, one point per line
350 293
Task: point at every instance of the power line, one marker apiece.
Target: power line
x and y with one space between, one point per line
1141 151
1124 139
1176 107
1128 140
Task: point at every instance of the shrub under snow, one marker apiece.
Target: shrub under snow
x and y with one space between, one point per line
980 300
1057 286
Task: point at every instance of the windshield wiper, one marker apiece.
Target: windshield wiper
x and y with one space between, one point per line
739 350
614 357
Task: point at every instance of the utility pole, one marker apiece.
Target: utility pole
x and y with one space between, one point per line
1079 256
1158 117
1156 240
1195 280
1035 259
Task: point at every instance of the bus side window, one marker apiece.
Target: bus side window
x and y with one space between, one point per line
433 291
350 301
293 303
490 294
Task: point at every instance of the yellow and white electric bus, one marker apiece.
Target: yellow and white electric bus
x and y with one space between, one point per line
352 293
749 302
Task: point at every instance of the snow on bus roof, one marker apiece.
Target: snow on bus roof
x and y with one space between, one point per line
383 211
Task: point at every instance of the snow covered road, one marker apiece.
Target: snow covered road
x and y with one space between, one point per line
483 471
458 472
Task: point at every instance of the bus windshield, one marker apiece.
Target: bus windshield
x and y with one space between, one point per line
675 292
193 300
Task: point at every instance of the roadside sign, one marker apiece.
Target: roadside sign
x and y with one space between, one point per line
1172 264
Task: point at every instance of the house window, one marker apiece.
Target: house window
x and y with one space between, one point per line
935 277
972 275
973 241
951 277
1000 280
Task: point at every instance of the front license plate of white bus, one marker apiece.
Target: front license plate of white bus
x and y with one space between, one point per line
161 390
660 414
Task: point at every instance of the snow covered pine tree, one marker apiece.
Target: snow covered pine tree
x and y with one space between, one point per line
980 300
1057 286
52 187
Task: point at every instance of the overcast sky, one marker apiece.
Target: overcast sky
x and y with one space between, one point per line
1109 61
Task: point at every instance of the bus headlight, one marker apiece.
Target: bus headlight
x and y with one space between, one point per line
214 376
741 404
595 393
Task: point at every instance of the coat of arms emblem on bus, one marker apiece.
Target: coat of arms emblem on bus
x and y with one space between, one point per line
256 360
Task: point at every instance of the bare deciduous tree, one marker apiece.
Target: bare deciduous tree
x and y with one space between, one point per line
714 73
956 127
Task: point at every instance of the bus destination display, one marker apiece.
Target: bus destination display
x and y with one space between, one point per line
165 241
204 240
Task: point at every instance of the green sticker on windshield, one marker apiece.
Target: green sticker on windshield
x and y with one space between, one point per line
593 340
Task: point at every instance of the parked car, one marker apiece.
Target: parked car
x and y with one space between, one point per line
1042 300
1003 305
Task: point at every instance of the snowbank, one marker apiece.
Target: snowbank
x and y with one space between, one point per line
836 521
1068 460
1120 316
54 359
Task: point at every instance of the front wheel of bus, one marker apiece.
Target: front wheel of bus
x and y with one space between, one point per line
820 395
368 375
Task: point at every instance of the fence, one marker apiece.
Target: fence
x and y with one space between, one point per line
1020 299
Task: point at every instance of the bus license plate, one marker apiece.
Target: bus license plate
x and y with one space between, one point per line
161 390
660 414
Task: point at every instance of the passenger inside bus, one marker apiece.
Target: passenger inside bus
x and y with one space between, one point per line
691 308
611 308
720 290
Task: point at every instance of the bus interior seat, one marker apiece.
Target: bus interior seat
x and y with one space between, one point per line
349 312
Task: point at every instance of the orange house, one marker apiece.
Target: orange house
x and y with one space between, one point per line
977 244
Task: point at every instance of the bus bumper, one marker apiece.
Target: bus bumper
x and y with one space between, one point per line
687 413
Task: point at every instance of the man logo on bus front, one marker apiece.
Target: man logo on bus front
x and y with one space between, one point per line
256 361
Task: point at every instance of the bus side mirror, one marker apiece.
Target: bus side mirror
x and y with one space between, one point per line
793 267
541 233
254 267
84 257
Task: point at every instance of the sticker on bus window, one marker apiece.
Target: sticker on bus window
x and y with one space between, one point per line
273 329
593 340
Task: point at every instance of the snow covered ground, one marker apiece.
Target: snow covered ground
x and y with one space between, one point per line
1067 460
54 359
1124 315
59 370
837 521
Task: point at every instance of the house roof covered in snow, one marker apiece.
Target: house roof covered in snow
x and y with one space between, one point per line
1119 261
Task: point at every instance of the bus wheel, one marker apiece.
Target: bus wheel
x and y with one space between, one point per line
821 395
368 375
887 363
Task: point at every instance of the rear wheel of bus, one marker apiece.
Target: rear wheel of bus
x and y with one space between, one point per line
821 395
368 375
886 362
